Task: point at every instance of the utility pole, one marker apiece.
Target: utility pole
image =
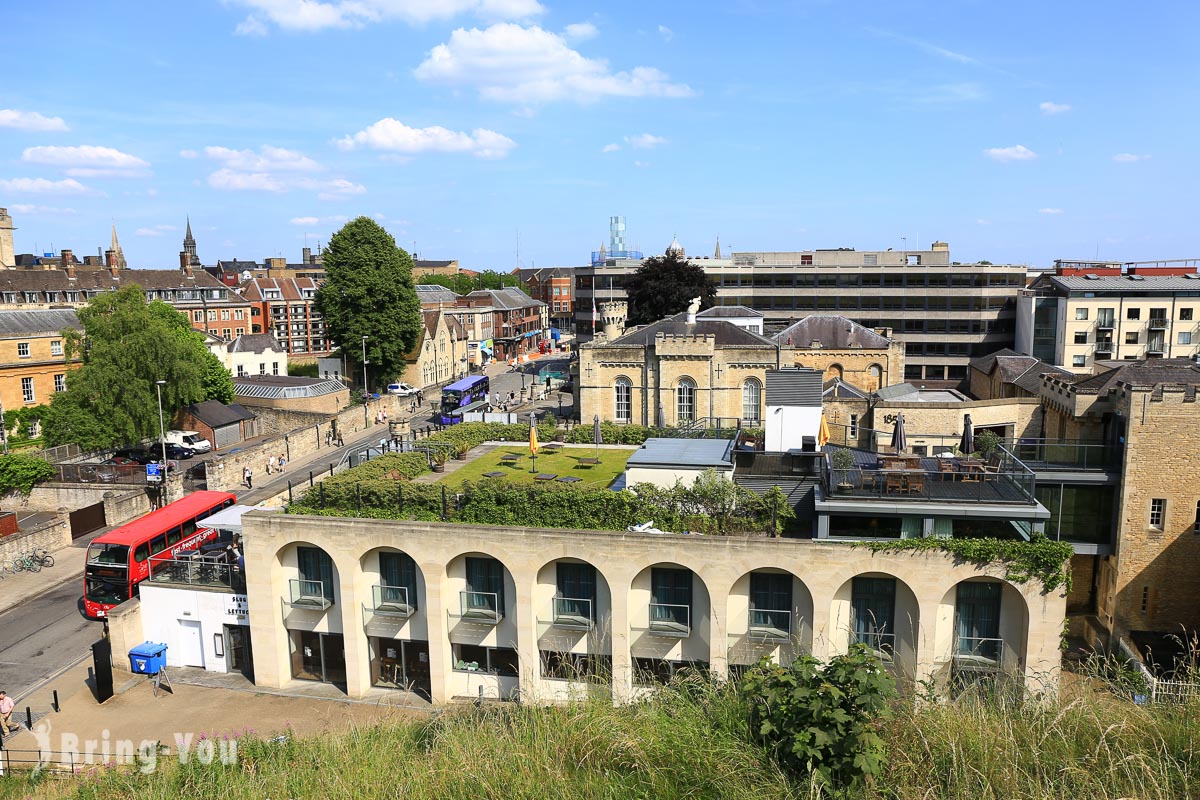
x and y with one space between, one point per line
365 362
3 427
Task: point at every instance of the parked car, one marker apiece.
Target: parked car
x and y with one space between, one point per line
179 451
137 455
120 461
402 389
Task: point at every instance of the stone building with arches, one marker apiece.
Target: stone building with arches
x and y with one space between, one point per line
844 350
458 612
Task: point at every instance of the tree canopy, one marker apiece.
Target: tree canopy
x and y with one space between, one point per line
664 285
464 284
127 344
368 291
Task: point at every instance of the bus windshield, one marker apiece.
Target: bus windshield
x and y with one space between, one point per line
105 589
451 400
100 553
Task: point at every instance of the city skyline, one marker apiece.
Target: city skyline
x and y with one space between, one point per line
1018 134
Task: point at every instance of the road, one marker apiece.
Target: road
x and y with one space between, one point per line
43 635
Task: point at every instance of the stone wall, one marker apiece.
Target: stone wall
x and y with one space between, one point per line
867 369
939 423
124 633
324 404
127 502
51 535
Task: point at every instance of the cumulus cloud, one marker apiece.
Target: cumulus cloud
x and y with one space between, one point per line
1049 109
274 169
644 141
666 33
87 161
394 136
528 65
267 159
610 148
1050 211
188 154
42 186
29 208
1129 158
580 31
316 15
305 220
30 121
1015 153
308 222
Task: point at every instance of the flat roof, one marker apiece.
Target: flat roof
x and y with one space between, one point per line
230 519
684 453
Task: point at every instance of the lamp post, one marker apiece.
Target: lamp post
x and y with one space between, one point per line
162 437
365 362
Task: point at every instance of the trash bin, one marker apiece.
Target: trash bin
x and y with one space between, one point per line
148 658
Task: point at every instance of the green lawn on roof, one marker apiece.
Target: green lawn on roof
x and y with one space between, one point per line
563 463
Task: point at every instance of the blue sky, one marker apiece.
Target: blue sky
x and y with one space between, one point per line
1016 131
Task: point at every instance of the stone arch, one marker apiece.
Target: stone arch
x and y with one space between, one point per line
834 370
658 624
857 615
755 624
961 641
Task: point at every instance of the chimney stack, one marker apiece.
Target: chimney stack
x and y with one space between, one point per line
110 258
115 271
68 257
70 271
187 269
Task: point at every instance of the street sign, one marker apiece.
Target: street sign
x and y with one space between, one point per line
154 473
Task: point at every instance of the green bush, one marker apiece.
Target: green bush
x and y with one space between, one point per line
21 472
820 719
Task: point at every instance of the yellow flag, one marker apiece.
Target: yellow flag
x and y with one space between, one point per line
823 434
533 442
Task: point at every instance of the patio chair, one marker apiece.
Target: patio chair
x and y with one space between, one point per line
946 467
915 483
895 480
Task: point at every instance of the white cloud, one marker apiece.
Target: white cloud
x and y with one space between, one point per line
87 161
188 154
305 221
983 222
579 31
309 222
1049 109
30 121
1129 158
515 64
315 15
1050 211
43 186
644 141
1015 153
394 136
666 33
245 181
27 208
267 159
336 189
157 230
610 148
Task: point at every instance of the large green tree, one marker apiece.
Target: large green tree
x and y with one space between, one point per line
664 285
368 291
126 345
462 283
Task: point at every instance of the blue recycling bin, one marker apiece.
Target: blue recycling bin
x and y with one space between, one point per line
148 658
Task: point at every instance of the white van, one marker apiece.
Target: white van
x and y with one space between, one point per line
191 439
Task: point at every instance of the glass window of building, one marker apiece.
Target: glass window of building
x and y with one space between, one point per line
623 396
685 401
751 397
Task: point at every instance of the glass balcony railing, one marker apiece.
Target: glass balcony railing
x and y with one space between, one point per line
978 652
391 601
670 619
884 644
1158 323
1000 478
211 572
573 613
307 594
481 607
770 625
1060 454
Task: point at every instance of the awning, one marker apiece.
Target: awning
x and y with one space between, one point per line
486 346
531 333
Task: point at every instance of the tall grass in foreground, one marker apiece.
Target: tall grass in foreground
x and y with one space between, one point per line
691 741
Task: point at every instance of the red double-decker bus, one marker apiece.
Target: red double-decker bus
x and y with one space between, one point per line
119 560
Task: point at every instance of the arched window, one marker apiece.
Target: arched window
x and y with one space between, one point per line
751 398
623 396
833 371
876 373
685 401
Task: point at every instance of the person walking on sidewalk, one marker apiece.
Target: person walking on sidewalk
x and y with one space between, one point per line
248 477
340 441
6 711
271 465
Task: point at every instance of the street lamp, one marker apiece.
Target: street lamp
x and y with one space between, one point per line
365 362
162 436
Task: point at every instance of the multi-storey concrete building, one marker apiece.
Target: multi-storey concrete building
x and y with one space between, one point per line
1111 312
945 313
284 307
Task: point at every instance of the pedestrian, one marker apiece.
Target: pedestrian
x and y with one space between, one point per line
6 711
420 400
248 477
328 438
412 407
282 462
383 445
271 465
341 442
384 412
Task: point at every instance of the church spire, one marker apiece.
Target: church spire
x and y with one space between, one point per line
717 253
188 236
118 255
188 257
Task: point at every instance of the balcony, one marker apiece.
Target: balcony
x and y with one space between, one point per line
307 594
1105 323
572 613
669 619
1105 348
1155 346
481 607
882 644
1158 323
973 654
766 625
1050 455
191 569
391 601
1001 478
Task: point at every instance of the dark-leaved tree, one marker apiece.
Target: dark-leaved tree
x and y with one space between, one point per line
664 285
368 291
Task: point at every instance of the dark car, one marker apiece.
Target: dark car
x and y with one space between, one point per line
137 455
120 461
180 452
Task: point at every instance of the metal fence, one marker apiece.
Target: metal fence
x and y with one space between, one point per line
101 473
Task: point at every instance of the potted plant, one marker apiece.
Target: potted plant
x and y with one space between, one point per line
843 461
439 460
461 452
987 442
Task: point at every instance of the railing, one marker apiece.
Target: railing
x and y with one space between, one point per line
770 625
884 644
1050 454
391 601
709 428
573 613
481 606
1158 323
1106 323
307 594
1000 479
207 571
973 652
671 619
100 473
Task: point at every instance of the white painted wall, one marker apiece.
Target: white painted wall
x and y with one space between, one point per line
165 608
788 425
666 478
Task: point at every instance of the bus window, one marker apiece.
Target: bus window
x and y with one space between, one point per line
102 553
189 528
142 551
158 544
174 535
227 504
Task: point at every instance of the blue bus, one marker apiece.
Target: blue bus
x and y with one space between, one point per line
465 392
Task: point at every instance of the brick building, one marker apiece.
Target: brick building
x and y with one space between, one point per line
223 425
518 321
284 308
554 286
440 355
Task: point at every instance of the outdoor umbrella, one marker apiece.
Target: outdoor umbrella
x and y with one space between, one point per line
823 433
967 445
661 423
533 439
899 441
597 437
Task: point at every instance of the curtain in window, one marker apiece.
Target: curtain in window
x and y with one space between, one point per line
398 569
978 618
315 565
671 588
770 591
873 606
486 575
577 582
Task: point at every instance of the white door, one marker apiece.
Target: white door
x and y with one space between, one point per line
191 648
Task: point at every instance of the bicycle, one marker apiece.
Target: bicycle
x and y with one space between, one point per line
26 563
43 557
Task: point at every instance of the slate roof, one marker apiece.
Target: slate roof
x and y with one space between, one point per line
284 386
255 343
422 264
725 333
507 299
289 289
18 280
432 293
1143 374
832 331
47 321
1018 369
729 311
1124 283
691 453
216 414
838 389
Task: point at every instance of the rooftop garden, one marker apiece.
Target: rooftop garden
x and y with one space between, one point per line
571 465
